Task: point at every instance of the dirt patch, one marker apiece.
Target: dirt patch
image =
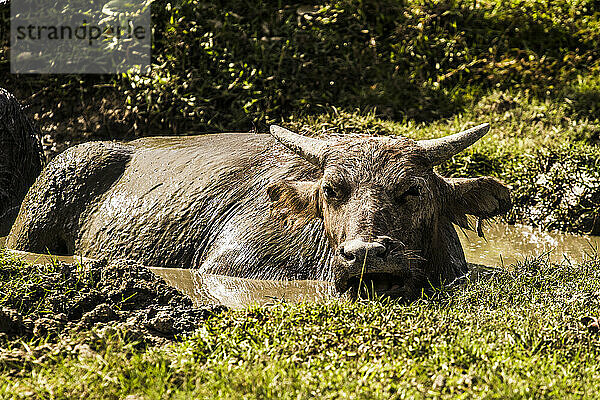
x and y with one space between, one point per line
54 303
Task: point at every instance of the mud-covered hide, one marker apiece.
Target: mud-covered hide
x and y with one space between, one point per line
191 202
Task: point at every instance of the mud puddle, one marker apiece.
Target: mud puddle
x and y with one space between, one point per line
503 245
507 244
239 293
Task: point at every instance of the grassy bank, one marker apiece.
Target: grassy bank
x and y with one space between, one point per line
513 334
235 65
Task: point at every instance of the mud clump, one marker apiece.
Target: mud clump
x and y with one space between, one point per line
11 322
48 301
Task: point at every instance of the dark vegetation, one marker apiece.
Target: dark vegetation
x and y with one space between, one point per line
233 65
528 67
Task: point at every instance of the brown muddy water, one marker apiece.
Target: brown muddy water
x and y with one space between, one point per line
503 245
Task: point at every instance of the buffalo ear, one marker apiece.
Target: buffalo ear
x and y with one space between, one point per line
483 197
295 198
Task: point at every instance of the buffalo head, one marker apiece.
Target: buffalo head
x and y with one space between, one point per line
388 216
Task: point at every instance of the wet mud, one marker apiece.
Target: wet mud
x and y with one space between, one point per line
502 246
99 296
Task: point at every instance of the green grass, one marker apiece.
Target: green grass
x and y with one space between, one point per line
514 334
29 288
239 65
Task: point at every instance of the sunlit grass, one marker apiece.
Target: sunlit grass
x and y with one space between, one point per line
516 333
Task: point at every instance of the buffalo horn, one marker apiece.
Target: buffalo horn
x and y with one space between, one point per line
312 150
441 149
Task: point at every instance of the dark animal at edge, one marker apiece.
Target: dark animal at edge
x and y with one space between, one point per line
21 158
278 205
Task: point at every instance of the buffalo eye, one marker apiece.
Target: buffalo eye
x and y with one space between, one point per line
329 192
336 192
414 191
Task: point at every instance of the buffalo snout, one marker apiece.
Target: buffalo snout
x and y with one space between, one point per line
366 263
357 252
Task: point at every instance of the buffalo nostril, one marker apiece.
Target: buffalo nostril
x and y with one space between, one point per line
377 249
348 256
386 241
356 250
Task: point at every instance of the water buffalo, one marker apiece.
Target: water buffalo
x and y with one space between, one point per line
278 205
